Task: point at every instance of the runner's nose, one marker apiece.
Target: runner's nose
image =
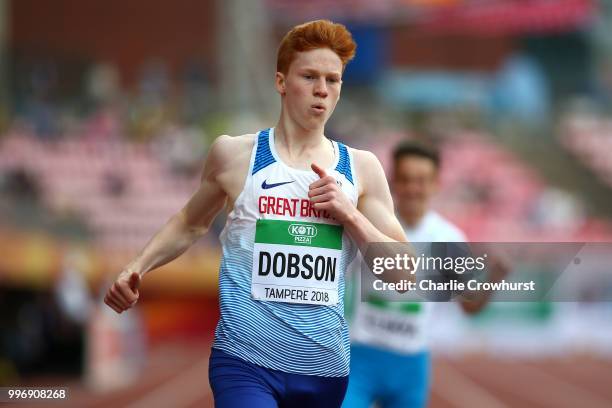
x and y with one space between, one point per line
320 88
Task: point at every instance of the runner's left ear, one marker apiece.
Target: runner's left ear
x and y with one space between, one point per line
280 83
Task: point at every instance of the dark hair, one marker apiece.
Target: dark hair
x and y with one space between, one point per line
418 149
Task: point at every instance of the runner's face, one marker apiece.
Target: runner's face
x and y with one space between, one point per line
414 184
311 87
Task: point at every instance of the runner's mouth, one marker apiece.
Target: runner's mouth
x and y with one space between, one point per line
318 108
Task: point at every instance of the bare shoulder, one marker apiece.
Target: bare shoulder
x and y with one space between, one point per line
245 141
369 170
227 148
228 152
227 163
365 159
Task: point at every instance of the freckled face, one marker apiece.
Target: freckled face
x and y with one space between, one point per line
311 87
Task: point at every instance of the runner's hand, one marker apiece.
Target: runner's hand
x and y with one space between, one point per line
327 195
123 294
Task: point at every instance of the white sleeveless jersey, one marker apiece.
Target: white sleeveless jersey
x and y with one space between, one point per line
399 326
281 280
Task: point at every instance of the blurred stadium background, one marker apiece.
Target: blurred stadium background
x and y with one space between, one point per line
106 112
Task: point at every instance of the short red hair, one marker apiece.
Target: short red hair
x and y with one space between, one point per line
313 35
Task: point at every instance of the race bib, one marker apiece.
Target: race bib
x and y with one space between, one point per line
296 262
394 325
383 318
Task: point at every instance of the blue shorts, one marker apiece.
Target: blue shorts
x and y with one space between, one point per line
237 383
391 379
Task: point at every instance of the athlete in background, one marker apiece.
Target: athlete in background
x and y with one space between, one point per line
299 205
390 359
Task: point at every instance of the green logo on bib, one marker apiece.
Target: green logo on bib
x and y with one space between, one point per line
303 233
299 233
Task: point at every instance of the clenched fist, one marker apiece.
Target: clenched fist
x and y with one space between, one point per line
327 195
123 294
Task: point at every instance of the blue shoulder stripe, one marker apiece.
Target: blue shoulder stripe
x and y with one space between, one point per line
344 163
263 155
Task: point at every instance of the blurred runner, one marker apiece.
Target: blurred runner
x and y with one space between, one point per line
390 359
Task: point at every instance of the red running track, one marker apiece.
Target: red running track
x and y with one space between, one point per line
176 375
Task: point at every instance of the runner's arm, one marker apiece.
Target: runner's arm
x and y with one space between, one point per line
191 222
178 234
374 220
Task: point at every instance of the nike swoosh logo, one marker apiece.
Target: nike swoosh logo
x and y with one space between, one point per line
266 186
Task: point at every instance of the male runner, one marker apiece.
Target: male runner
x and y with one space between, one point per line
390 362
299 204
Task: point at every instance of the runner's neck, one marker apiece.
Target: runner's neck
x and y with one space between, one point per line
294 147
296 138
